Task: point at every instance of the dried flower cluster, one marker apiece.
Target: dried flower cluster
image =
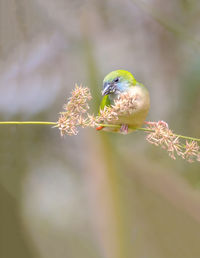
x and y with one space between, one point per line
124 105
76 111
76 114
108 114
161 135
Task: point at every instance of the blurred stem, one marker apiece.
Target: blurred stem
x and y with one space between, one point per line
167 24
117 222
123 248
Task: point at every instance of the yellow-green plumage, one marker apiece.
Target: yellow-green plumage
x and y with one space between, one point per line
121 81
105 102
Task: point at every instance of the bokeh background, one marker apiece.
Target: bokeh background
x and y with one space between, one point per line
97 195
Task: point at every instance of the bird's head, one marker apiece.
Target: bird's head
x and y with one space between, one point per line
117 82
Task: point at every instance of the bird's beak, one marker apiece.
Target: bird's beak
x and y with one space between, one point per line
106 89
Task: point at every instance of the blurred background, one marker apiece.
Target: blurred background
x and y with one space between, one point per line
97 195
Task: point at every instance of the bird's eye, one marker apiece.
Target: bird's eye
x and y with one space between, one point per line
116 80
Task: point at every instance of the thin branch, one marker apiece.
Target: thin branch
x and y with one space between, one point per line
105 125
27 123
151 130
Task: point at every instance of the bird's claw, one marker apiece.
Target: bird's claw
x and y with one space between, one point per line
124 129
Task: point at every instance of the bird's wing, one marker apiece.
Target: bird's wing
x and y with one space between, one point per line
105 102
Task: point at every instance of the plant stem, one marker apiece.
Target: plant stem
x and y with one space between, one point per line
105 125
27 123
151 130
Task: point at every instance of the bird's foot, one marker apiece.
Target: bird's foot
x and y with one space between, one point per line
124 129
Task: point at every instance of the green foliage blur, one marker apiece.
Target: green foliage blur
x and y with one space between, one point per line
97 195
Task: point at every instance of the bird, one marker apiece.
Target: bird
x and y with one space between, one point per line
117 83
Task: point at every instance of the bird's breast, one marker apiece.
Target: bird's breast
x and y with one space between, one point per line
142 103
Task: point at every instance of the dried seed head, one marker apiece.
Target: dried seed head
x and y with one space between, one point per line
124 105
107 115
75 113
162 136
67 126
191 151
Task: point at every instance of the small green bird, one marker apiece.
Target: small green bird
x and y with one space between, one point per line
119 82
